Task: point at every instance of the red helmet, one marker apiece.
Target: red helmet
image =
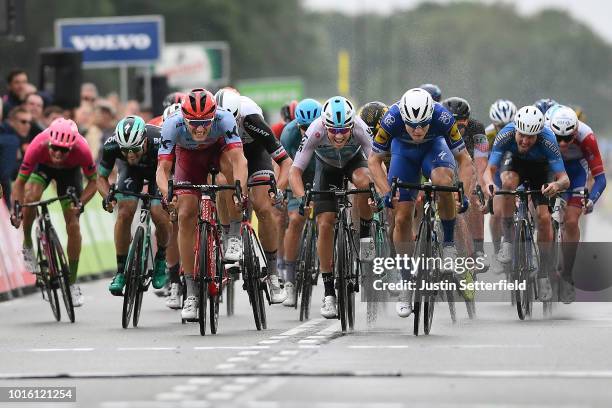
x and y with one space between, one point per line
63 133
199 104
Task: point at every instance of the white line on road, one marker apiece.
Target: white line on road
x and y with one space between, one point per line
200 380
230 347
331 329
269 341
37 350
225 366
302 327
237 359
452 346
249 353
145 348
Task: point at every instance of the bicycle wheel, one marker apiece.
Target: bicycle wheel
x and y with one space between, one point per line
61 272
214 299
308 268
203 267
250 275
520 267
433 277
48 289
132 276
421 249
340 275
352 271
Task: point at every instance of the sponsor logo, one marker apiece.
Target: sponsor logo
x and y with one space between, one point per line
445 117
111 42
455 135
143 216
441 155
389 120
381 137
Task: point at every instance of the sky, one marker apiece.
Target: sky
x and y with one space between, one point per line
597 14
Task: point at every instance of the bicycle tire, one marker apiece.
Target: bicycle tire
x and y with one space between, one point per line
433 276
47 288
132 282
416 308
204 258
141 288
352 282
450 299
214 299
309 266
520 270
249 275
62 273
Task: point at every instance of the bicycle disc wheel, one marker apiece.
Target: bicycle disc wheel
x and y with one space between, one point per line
204 259
250 275
61 273
132 277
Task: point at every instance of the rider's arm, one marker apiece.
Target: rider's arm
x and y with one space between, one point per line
89 191
590 150
303 156
105 167
466 169
30 161
239 166
162 175
89 171
375 164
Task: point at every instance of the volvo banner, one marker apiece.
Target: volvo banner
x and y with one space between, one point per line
113 41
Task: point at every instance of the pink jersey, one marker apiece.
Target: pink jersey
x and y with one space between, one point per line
584 146
38 153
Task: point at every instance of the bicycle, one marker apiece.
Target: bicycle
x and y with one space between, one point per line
53 272
525 256
209 271
253 263
138 265
347 265
307 267
382 249
428 247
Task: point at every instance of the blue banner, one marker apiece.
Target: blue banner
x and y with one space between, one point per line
113 41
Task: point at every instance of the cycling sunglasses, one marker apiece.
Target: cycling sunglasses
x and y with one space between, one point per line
420 124
61 149
339 131
134 149
195 123
566 139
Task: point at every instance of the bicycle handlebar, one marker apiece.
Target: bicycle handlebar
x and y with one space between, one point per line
113 190
427 187
338 193
70 194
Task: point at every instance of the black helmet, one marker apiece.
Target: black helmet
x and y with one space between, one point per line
172 98
459 107
371 113
434 91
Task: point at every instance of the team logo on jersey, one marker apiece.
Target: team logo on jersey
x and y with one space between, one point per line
455 135
389 120
445 117
381 137
442 155
165 143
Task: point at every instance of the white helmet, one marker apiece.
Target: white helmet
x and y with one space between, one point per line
550 112
338 112
229 100
564 121
502 112
529 120
170 110
416 106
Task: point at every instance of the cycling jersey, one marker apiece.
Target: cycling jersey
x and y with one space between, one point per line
38 154
393 136
581 156
111 151
475 139
291 139
156 121
317 143
174 133
491 131
545 148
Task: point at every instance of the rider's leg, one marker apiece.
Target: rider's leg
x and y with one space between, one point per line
292 242
73 229
125 212
325 249
267 218
162 233
187 222
446 202
33 192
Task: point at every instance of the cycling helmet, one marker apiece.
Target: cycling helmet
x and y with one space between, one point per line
459 107
288 111
199 104
63 133
170 110
529 120
307 111
371 113
564 121
172 98
130 132
338 112
544 104
550 112
229 99
502 112
416 106
434 91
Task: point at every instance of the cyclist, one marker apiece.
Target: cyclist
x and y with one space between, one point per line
135 145
341 142
422 137
57 153
501 113
545 104
434 91
526 150
580 152
306 112
194 139
261 147
473 133
173 98
287 113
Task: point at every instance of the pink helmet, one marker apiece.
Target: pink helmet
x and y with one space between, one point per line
63 132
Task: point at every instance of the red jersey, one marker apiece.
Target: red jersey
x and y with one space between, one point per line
156 121
277 129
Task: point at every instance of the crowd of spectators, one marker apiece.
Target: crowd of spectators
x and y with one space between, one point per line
25 112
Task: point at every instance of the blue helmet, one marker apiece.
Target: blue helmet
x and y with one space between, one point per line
544 104
434 91
338 112
307 111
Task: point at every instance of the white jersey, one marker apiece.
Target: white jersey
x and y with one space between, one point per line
247 107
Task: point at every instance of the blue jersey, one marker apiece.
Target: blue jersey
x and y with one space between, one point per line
394 136
544 149
175 133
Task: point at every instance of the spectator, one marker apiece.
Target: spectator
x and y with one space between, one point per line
50 114
103 127
84 118
34 104
13 142
132 107
89 94
146 113
17 81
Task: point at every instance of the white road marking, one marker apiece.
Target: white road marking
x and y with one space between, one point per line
309 346
170 396
237 359
450 346
229 347
302 327
234 387
289 352
248 353
278 359
185 388
269 341
145 348
39 350
219 395
225 366
308 341
200 380
331 329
